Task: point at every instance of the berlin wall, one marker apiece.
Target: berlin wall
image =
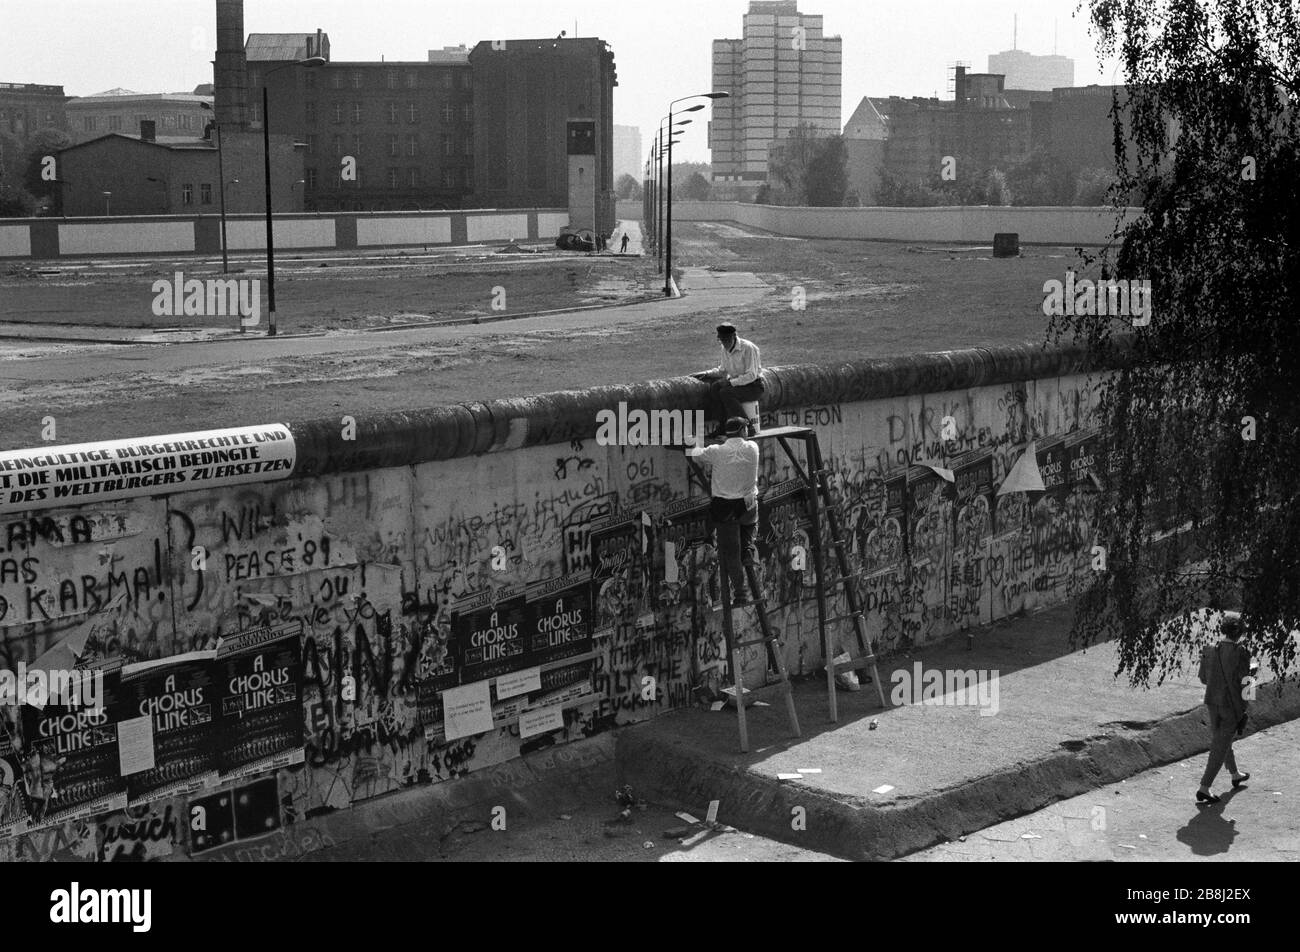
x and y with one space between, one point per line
403 563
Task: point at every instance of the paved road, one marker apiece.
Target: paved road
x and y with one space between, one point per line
1153 816
704 290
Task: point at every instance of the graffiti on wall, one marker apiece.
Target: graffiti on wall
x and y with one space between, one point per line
378 572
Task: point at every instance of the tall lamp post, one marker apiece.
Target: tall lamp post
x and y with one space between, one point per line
107 199
660 224
310 62
221 175
668 230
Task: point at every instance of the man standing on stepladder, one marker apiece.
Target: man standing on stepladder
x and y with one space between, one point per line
734 509
737 380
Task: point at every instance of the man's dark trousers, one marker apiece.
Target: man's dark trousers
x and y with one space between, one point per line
728 401
736 527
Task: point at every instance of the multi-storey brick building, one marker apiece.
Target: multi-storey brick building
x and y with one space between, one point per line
408 125
782 73
526 95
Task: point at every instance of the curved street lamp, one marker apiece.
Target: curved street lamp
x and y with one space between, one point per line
659 189
309 63
668 231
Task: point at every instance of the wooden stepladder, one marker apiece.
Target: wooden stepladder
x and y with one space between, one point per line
775 652
819 498
812 472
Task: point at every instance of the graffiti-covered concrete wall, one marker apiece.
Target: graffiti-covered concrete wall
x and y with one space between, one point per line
425 553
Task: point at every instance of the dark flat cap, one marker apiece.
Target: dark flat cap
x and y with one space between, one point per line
726 330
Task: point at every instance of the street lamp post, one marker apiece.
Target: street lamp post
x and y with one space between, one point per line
221 175
668 230
266 150
107 197
659 225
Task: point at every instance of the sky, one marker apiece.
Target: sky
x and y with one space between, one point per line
662 48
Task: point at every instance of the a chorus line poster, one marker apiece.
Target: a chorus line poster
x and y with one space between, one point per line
261 700
491 634
558 619
70 756
173 705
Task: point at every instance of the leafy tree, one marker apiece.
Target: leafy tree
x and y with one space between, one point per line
1092 187
1213 112
682 171
15 203
996 189
895 192
628 188
1040 178
696 188
810 169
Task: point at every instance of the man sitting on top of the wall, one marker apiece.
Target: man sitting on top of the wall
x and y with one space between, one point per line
737 380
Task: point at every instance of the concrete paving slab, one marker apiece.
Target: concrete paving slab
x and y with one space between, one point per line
1063 725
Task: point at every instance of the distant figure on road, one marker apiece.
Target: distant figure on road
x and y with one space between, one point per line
733 484
1225 670
738 379
623 249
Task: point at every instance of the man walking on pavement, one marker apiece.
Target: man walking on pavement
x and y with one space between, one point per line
1225 671
623 248
734 509
738 379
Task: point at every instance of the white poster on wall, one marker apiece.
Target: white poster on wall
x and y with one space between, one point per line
59 476
467 710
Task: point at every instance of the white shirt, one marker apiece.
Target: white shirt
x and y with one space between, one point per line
741 364
735 468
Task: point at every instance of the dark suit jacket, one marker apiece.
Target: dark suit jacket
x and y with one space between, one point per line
1229 667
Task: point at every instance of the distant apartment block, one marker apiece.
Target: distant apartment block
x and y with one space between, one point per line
783 72
628 159
122 111
1027 71
27 108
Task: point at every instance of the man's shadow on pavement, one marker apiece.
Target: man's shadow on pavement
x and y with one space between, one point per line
1208 833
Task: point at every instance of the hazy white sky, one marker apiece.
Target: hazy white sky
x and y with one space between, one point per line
662 47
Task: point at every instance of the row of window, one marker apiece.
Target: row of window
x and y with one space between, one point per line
397 178
205 193
409 112
115 123
356 79
19 115
451 145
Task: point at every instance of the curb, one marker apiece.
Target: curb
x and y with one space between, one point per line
854 828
